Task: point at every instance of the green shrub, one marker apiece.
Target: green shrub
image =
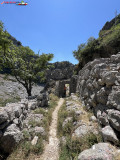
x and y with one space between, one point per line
40 111
34 123
26 135
64 154
107 44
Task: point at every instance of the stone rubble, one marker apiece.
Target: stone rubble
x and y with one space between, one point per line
14 117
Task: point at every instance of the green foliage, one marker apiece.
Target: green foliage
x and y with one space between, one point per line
40 111
77 54
107 44
34 123
85 51
26 135
25 65
4 43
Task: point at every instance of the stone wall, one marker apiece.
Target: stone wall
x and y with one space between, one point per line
98 86
73 84
12 117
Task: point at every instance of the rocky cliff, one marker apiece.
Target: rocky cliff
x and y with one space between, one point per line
107 44
109 25
98 86
60 71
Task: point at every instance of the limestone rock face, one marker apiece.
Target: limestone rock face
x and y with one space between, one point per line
109 77
44 99
82 130
3 116
114 97
11 137
60 71
32 105
100 151
114 118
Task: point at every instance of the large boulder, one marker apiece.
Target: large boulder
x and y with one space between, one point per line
100 151
83 130
114 118
114 97
45 99
109 77
11 137
101 96
32 104
3 117
116 58
42 99
109 135
14 110
103 119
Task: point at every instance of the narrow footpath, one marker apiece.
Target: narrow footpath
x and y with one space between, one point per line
51 151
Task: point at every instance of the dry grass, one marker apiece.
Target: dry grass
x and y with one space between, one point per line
116 155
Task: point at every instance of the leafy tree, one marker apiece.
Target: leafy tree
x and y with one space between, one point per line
77 54
4 43
26 66
90 41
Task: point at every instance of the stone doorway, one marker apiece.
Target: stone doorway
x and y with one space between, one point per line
70 85
62 88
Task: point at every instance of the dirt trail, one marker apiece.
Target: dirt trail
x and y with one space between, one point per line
52 148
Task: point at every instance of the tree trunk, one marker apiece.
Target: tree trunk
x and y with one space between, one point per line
29 91
27 85
29 88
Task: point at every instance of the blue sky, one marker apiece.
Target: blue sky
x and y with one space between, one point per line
57 26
